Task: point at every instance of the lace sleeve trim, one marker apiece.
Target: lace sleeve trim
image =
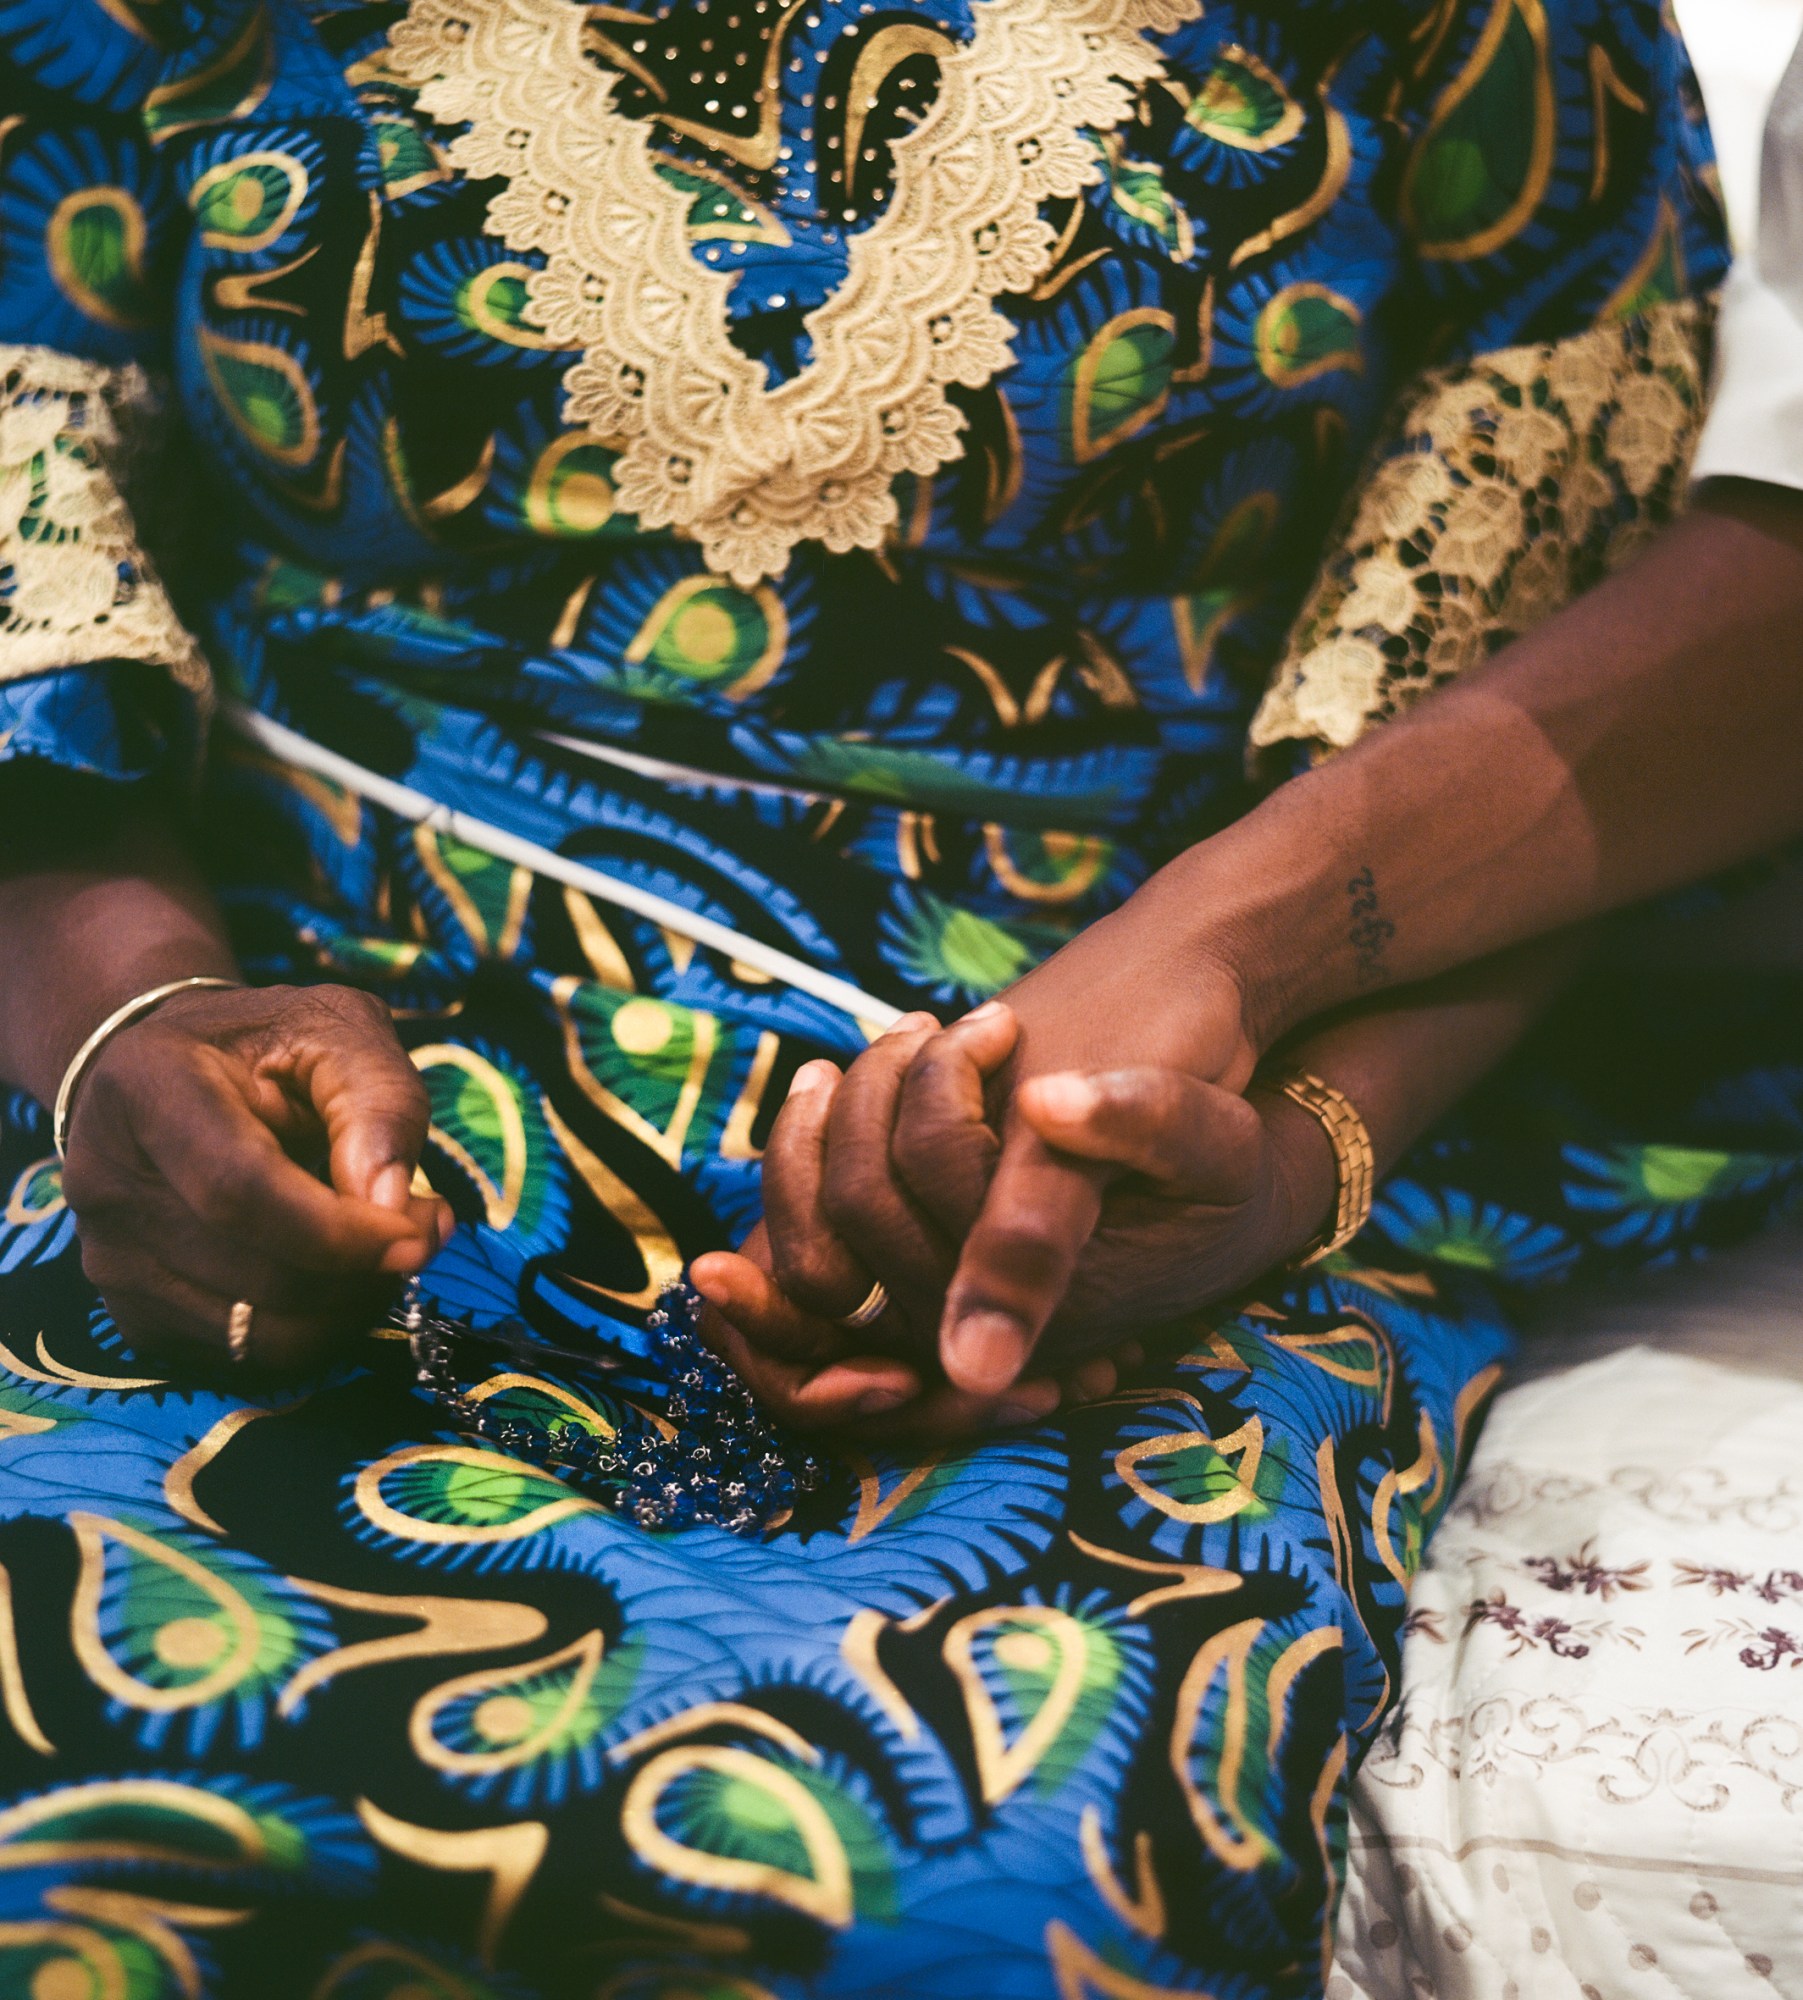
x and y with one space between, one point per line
1505 488
76 586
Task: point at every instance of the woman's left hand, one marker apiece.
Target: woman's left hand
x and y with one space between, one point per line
1202 1191
918 1168
815 1376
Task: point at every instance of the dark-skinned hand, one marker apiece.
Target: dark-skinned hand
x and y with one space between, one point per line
816 1376
185 1171
931 1178
1195 1192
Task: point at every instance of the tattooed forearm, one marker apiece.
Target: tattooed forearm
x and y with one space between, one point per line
1369 933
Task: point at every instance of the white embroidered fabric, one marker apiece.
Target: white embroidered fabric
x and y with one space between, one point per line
76 586
1593 1783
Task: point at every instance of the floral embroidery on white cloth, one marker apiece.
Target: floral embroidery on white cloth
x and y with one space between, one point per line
708 446
1593 1781
76 588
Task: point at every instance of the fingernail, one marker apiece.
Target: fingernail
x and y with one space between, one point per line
985 1350
447 1224
707 1282
909 1024
1067 1095
812 1076
988 1010
392 1187
401 1259
874 1402
1018 1410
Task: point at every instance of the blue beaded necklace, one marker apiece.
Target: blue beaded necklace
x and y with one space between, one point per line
715 1461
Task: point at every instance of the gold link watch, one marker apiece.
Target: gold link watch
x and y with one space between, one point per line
1355 1159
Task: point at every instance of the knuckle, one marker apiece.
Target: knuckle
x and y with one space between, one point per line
936 1059
102 1265
805 1270
84 1179
1139 1097
885 1061
1245 1127
1167 1155
928 1152
844 1198
355 1004
861 1204
225 1195
915 1149
1027 1253
110 1085
412 1100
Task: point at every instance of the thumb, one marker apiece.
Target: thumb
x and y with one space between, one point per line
367 1096
1017 1263
1191 1139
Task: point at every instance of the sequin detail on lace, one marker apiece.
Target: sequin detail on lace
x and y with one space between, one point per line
1505 488
709 447
75 585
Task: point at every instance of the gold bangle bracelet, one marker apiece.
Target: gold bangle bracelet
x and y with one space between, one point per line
1354 1160
83 1059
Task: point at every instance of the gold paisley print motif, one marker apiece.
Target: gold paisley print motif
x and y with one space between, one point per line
442 1626
1231 1837
43 1831
474 1498
246 202
1142 1911
1242 1450
1031 1639
1440 166
207 1649
504 1714
825 1894
1083 1974
13 1693
707 446
37 1193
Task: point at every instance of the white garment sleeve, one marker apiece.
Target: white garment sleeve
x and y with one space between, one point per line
1755 425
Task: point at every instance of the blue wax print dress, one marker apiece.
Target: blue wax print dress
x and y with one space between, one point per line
860 480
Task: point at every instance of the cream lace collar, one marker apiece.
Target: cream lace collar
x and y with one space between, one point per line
710 448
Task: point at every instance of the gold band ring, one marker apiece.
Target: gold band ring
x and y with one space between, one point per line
876 1303
237 1332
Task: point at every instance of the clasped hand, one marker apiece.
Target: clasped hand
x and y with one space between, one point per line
1036 1186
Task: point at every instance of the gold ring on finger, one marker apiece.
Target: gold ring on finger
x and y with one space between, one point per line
237 1332
876 1303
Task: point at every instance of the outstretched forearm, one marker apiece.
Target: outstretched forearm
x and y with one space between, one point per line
1646 736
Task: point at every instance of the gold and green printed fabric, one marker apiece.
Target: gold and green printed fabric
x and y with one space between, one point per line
847 470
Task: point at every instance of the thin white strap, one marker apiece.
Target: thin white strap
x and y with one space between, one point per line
290 747
661 769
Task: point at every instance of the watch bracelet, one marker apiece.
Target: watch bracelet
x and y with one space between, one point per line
1355 1159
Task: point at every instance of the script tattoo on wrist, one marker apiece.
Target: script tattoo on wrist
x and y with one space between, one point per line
1369 933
